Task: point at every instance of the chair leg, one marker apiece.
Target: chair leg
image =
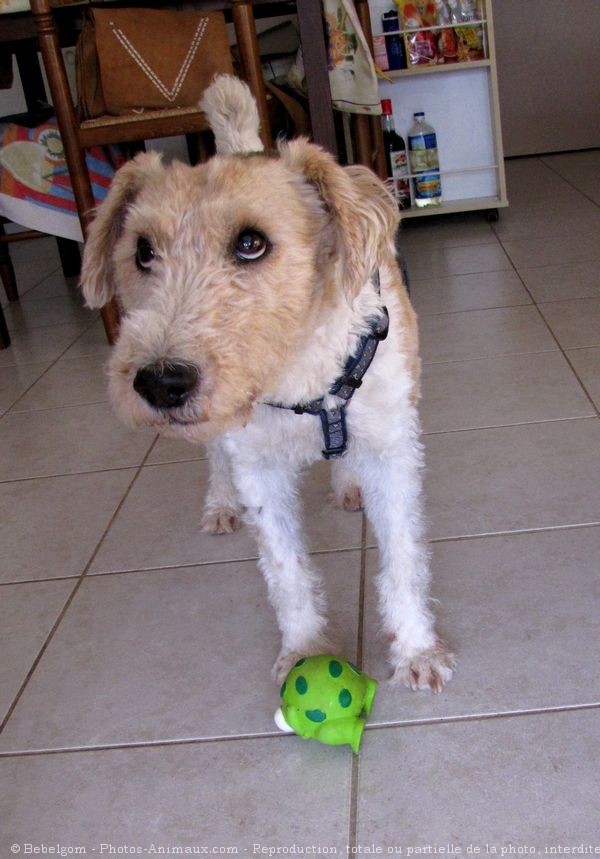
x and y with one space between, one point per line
110 319
4 335
70 258
7 272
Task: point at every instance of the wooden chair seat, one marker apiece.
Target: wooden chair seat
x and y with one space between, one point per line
106 130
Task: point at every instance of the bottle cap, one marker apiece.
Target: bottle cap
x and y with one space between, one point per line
386 106
419 113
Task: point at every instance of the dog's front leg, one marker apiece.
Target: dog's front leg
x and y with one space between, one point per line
392 493
222 510
270 496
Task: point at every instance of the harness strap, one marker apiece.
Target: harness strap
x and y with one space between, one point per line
333 420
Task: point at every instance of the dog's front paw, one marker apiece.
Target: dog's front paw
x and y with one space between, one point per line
223 521
430 669
350 498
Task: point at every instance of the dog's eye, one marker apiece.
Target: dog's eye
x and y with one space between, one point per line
250 245
144 255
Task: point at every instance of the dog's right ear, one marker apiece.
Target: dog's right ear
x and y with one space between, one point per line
232 115
98 281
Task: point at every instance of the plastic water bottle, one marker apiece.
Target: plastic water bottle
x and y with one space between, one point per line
424 163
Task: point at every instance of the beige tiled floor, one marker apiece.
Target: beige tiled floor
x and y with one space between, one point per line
135 664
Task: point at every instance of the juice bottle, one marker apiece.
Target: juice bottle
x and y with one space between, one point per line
424 163
395 156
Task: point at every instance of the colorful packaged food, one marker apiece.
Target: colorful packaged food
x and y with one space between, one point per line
421 46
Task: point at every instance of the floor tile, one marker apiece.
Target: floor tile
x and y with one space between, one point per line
25 315
445 232
553 218
39 344
49 527
523 783
69 440
14 381
580 169
27 614
483 333
558 282
587 366
185 653
441 262
175 450
468 292
575 323
230 795
519 611
30 272
507 389
56 285
70 382
557 250
92 342
42 251
513 478
159 524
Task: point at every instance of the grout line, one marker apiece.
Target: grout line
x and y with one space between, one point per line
145 744
62 407
568 181
425 315
274 735
52 363
486 717
487 534
71 596
186 565
551 332
516 424
489 357
67 474
355 773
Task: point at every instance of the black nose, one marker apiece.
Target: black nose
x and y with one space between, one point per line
166 385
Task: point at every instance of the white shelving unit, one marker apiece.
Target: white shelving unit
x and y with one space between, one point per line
460 101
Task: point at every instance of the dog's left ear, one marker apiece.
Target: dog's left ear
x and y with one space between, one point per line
364 213
97 271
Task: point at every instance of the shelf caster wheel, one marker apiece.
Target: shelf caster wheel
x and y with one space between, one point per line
492 216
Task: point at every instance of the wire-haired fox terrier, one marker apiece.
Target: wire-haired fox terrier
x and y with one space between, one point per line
264 313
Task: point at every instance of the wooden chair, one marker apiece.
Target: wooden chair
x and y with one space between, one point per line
78 135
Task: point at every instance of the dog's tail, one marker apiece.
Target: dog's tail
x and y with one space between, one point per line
232 114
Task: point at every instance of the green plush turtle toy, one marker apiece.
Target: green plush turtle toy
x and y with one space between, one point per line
322 699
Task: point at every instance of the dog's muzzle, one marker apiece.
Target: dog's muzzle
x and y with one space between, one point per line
166 385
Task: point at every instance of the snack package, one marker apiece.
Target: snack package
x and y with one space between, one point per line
415 14
470 39
447 46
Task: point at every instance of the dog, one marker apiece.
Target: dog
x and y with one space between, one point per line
249 284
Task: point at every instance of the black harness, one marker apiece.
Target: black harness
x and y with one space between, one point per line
333 420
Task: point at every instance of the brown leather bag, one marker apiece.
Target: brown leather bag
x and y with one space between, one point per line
130 60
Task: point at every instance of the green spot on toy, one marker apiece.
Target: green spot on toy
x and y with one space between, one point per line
345 698
301 685
335 668
316 715
324 701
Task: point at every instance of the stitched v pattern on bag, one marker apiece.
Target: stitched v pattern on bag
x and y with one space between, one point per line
172 93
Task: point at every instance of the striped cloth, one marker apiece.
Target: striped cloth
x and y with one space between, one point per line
35 187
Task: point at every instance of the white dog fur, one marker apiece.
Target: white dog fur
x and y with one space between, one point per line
277 330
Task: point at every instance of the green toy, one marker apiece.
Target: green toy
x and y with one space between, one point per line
322 699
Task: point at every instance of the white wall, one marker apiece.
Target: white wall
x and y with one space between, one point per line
548 54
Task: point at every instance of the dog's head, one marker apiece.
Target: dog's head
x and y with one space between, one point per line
221 268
